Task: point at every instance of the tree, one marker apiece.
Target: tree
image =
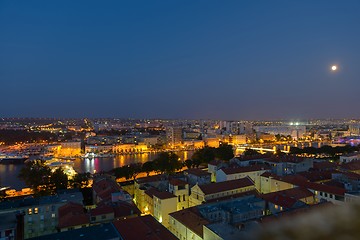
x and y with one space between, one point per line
224 152
37 176
59 179
251 152
278 137
134 170
204 155
189 163
295 150
167 162
278 152
80 180
148 167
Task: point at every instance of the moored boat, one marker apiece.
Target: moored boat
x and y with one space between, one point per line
13 159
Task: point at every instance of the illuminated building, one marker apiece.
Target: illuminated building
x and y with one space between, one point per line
203 193
253 172
181 190
174 136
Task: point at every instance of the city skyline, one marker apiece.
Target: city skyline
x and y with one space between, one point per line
203 59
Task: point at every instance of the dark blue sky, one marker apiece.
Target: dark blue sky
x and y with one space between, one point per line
180 59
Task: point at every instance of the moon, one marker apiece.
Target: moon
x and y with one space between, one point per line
334 68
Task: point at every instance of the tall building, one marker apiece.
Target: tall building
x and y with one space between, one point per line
174 135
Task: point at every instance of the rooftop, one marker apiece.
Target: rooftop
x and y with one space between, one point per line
46 200
177 182
197 172
145 227
226 186
72 214
149 179
351 166
161 195
191 219
103 231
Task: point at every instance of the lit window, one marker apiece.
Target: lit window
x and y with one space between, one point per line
30 211
53 215
36 210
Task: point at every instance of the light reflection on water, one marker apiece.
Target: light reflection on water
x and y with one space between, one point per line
9 172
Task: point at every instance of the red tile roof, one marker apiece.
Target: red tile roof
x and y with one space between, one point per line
351 166
280 200
124 209
159 194
177 182
351 175
296 193
72 214
191 219
164 195
145 227
101 210
104 187
226 186
300 181
71 220
325 165
316 176
323 188
149 179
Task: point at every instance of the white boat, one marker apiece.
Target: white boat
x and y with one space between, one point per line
12 158
92 155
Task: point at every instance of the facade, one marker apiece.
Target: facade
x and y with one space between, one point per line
141 185
40 215
197 176
98 148
214 166
129 148
289 165
203 193
186 224
295 131
69 149
181 190
8 226
174 136
72 216
253 172
229 216
350 157
164 204
273 183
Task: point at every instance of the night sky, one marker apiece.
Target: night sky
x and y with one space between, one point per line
180 59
